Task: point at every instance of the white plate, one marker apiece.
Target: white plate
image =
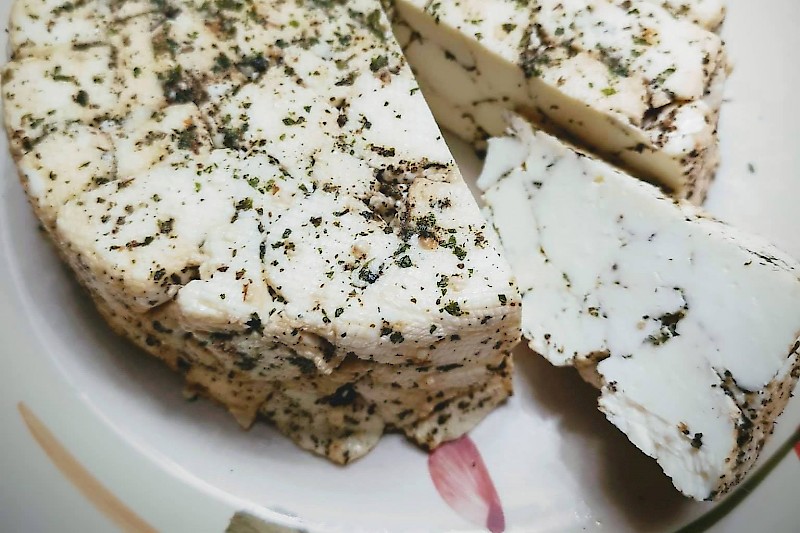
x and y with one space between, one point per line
95 433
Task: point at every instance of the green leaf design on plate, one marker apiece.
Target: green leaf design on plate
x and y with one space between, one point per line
705 522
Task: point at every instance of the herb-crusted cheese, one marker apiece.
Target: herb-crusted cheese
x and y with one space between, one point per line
689 328
255 192
628 80
707 13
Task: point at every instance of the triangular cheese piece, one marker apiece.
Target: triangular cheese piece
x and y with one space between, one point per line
628 80
688 326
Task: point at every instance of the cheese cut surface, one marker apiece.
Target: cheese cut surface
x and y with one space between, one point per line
688 327
628 80
256 192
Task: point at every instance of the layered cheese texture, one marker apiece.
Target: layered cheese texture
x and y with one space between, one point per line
256 193
688 327
637 82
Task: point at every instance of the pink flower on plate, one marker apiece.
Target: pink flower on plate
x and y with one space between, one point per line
462 480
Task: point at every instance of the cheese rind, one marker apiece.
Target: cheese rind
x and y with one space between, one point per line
635 84
689 327
255 192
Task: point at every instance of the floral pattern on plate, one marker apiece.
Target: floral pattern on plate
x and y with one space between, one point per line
462 479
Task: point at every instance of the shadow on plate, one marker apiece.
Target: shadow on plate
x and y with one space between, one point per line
631 482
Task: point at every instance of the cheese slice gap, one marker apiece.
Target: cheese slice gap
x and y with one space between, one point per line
256 193
628 80
688 326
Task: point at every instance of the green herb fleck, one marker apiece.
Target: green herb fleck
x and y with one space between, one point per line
378 63
453 308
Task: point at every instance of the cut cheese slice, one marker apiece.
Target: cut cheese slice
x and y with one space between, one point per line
628 80
688 327
256 192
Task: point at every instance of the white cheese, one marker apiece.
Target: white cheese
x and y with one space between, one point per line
707 13
626 79
256 192
689 327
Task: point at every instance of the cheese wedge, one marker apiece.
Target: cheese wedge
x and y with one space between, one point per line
627 80
256 193
688 327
